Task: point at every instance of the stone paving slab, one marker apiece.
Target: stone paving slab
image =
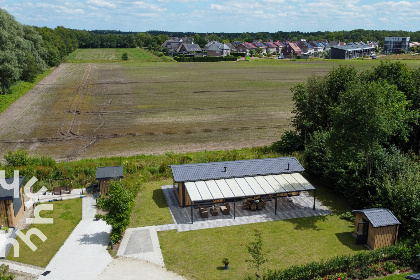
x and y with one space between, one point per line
143 244
25 268
83 255
135 269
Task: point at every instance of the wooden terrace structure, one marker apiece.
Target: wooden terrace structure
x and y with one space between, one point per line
246 181
11 207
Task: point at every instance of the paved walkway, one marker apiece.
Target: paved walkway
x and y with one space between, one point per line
83 255
134 269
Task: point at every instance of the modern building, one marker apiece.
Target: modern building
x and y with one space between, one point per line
396 44
351 51
215 48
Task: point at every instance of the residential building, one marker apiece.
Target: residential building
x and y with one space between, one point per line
318 47
215 48
190 49
305 47
272 47
291 48
260 45
245 47
351 51
396 44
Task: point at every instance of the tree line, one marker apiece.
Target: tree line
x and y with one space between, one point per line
360 134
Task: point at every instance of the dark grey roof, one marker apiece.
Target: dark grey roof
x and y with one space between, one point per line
379 217
235 169
109 172
352 47
413 277
6 194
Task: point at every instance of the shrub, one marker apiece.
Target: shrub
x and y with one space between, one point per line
389 267
124 56
18 158
290 142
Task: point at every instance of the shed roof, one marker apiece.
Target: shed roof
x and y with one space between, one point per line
413 277
109 172
235 169
8 194
379 217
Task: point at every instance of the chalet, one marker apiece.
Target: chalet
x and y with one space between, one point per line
318 47
11 207
280 46
215 48
376 227
105 174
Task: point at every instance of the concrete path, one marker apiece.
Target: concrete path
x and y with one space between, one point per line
134 269
83 255
25 268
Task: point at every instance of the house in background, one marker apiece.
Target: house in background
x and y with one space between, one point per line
351 51
280 46
189 49
396 44
305 47
376 227
318 46
11 207
215 48
291 48
105 174
260 45
245 47
272 47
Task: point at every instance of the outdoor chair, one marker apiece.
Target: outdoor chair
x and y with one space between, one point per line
66 189
253 206
225 209
213 211
245 204
203 212
56 191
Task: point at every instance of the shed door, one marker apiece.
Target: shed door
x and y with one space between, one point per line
362 233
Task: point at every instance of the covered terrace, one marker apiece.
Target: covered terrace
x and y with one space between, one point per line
233 181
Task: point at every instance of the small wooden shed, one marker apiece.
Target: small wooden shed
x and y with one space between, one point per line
376 227
104 174
10 206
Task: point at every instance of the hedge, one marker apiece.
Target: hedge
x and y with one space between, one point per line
404 255
205 59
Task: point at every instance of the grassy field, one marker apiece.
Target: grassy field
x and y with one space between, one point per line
107 55
138 107
66 214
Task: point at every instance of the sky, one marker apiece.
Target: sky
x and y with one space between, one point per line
208 16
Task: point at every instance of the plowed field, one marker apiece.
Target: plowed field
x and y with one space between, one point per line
91 110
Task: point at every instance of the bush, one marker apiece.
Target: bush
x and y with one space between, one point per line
290 142
124 56
18 158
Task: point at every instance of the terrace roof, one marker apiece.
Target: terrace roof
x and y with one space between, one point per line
109 172
235 169
247 186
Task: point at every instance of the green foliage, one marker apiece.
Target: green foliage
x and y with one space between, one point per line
18 158
204 59
4 273
290 142
358 266
119 205
124 56
255 249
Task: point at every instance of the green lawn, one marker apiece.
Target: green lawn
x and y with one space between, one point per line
150 207
66 214
396 276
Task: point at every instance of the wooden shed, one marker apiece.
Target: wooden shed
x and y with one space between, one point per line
10 206
104 174
376 227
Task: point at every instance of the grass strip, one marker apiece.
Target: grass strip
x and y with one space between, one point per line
66 214
19 89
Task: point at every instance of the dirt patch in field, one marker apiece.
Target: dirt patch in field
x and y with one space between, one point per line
96 110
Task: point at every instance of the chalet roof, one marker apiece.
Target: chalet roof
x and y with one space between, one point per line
235 169
8 194
294 47
317 44
216 46
379 217
109 172
190 47
280 44
259 44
